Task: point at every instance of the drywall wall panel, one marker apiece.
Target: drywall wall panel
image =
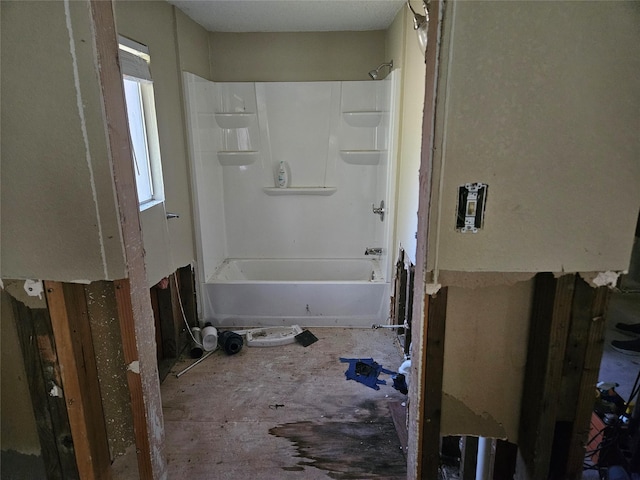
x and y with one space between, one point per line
193 46
412 66
485 355
541 102
59 215
295 57
18 430
152 23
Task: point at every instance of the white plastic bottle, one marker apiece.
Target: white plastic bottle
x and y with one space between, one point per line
283 176
209 337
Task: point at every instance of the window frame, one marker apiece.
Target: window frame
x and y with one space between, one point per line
134 61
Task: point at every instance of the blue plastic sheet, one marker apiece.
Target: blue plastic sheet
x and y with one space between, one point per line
365 371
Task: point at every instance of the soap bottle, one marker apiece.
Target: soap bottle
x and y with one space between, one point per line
283 177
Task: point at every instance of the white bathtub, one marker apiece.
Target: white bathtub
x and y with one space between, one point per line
307 292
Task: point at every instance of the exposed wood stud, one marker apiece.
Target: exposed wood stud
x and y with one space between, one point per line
132 295
407 333
589 376
74 346
47 395
432 379
550 319
421 448
130 350
468 458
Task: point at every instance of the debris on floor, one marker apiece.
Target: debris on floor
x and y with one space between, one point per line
230 342
271 336
365 371
306 338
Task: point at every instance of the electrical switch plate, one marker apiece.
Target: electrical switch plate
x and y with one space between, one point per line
472 198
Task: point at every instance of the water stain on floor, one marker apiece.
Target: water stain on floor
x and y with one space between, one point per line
364 448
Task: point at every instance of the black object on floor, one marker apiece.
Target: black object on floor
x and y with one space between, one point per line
306 338
628 347
231 342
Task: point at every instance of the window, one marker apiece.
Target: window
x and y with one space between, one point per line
143 128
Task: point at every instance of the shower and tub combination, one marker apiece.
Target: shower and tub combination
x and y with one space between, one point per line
315 251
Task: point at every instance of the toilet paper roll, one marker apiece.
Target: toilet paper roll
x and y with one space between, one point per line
209 338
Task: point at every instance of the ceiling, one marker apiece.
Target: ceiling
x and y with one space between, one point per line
290 15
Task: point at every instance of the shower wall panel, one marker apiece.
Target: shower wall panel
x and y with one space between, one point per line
334 138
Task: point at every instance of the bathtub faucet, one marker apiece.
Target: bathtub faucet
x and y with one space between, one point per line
373 251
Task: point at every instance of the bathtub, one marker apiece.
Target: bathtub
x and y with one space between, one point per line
307 292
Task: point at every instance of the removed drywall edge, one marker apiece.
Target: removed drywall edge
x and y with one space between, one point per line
459 419
16 288
432 288
601 279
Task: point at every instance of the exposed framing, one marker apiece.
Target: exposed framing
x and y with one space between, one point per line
43 372
420 448
132 294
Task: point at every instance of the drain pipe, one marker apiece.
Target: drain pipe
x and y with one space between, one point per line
483 465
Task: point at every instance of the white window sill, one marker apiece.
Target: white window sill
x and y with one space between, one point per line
149 204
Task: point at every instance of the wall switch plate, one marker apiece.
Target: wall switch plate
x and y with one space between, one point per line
472 198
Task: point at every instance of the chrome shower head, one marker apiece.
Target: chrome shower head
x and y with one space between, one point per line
374 73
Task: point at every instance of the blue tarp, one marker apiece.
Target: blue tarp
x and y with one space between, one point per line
365 371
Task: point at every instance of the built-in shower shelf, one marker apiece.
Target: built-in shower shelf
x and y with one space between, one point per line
361 157
323 191
363 118
235 120
237 158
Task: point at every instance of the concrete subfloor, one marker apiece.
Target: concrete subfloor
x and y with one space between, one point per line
615 366
284 412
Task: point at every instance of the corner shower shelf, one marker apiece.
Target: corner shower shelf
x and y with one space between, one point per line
363 118
234 120
361 157
322 191
240 157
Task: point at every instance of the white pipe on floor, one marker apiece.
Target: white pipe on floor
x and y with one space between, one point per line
484 458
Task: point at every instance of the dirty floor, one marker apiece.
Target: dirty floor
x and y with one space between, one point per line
285 412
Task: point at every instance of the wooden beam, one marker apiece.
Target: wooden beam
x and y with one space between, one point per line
45 386
74 346
595 319
132 294
134 380
401 295
410 286
550 319
432 380
419 447
468 458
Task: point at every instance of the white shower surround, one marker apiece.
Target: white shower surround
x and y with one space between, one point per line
335 139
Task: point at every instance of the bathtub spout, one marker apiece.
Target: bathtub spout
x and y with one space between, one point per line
373 251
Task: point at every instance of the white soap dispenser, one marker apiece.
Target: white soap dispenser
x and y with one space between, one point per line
283 176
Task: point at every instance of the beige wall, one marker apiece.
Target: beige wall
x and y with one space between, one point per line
295 57
485 355
175 43
403 45
59 216
541 102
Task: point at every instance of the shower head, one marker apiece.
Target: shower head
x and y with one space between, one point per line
374 73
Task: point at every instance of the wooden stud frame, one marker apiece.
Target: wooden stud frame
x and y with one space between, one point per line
74 345
132 294
421 448
43 375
